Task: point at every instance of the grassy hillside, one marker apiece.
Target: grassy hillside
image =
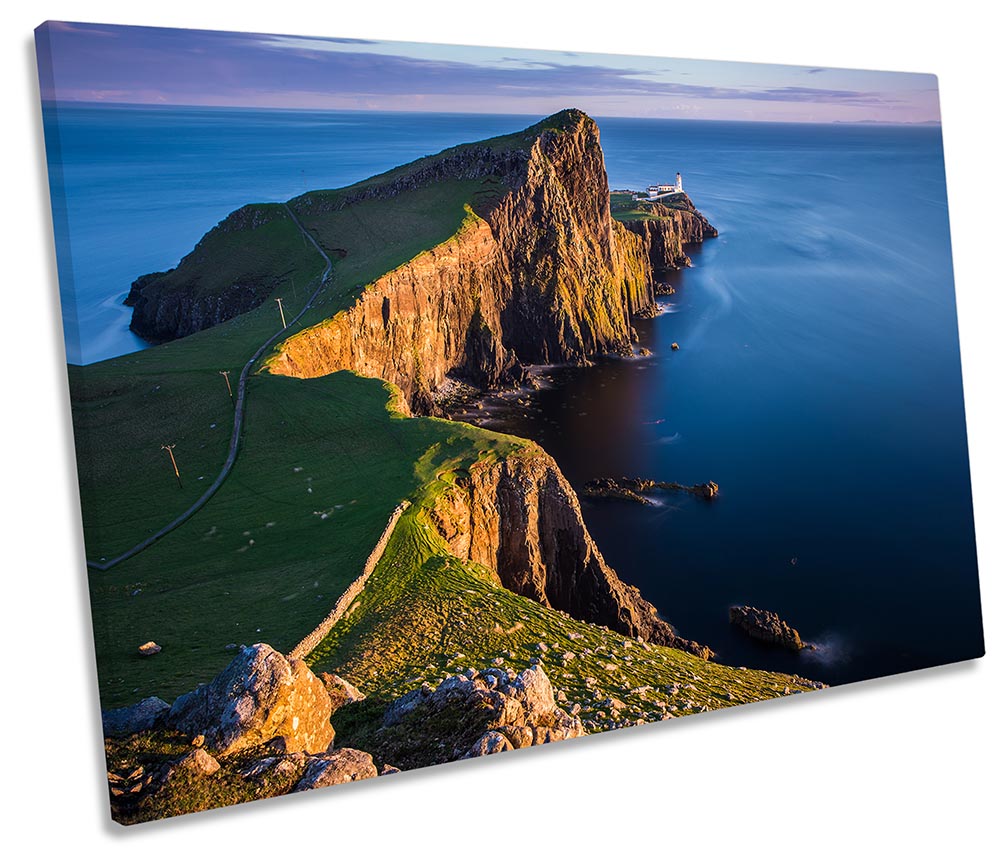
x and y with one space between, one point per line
323 465
425 615
261 554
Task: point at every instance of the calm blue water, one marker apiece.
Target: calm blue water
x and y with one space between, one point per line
818 380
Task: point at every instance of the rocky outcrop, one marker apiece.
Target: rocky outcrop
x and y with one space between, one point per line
767 626
667 232
260 698
476 713
632 489
520 518
540 275
186 299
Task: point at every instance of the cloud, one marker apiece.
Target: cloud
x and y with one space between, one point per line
192 66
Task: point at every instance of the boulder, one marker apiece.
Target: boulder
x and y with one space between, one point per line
261 697
708 491
150 648
474 714
276 765
197 762
340 690
337 767
766 626
125 721
491 742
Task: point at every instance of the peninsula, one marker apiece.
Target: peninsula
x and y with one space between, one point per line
372 589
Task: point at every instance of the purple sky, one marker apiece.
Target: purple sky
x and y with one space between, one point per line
96 62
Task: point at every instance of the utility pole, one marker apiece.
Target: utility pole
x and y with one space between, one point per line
170 450
230 388
278 300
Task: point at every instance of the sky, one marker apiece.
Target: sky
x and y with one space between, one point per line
144 65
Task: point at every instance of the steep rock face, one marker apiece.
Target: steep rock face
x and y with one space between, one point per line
520 518
261 697
665 237
543 275
416 323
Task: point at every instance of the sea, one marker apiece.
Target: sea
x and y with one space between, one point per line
817 379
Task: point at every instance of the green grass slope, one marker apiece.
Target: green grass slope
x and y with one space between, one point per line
324 463
425 615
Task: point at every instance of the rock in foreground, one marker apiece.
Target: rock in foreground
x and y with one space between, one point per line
261 697
767 626
476 713
337 767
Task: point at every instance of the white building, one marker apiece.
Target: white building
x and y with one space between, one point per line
655 191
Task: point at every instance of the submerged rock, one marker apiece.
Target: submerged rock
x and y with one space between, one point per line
767 626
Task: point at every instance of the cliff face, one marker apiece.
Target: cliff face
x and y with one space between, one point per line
225 275
542 275
665 235
520 518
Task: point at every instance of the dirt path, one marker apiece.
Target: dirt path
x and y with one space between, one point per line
238 411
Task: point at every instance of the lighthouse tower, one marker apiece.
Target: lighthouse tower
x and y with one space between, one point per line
677 182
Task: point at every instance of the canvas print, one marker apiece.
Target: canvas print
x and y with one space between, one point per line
432 402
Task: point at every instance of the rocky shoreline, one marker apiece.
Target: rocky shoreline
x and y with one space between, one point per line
633 489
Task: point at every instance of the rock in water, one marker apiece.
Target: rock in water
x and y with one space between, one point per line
707 491
261 697
766 626
150 648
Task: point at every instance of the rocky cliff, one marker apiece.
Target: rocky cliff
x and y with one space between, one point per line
541 274
521 518
668 230
210 285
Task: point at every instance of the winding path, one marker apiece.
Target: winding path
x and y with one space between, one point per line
234 441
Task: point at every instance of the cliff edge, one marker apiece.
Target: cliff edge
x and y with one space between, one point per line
539 272
521 518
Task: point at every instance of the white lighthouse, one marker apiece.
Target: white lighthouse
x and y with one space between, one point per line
658 191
